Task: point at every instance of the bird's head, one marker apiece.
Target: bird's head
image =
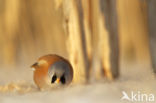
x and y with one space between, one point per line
60 72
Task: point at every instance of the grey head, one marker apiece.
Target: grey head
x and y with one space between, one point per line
60 72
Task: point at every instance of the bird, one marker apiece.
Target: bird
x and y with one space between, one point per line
51 71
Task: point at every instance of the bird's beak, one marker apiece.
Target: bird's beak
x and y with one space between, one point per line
57 80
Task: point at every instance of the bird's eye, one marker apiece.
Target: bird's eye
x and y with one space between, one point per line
53 79
63 80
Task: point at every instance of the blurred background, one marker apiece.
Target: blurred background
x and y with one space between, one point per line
30 29
33 28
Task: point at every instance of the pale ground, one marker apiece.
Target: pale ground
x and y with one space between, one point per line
133 78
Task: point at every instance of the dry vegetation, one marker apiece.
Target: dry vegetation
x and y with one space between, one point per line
93 34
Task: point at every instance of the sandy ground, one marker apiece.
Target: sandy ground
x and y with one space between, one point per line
133 78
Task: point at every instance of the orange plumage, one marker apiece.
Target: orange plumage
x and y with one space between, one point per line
54 64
